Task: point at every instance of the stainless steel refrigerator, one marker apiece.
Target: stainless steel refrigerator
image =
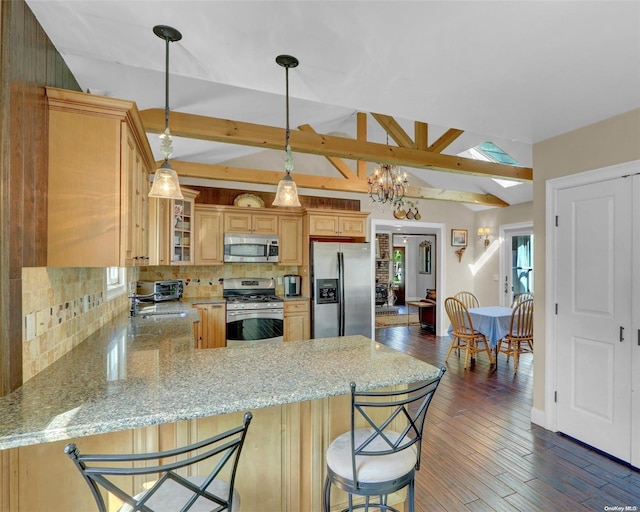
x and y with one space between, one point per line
342 291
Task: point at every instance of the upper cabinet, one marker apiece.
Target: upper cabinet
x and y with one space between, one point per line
237 221
208 235
332 223
99 165
181 228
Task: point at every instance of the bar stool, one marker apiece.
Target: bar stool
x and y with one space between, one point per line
382 457
171 491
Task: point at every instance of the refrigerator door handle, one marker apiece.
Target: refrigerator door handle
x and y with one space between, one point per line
341 319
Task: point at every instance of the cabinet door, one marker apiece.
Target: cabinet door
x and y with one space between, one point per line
208 236
135 206
290 240
264 224
237 222
320 225
182 227
296 321
352 226
212 326
159 221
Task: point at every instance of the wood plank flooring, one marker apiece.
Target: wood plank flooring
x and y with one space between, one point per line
482 453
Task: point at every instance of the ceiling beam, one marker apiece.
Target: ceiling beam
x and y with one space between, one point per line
340 165
396 131
227 173
249 134
445 140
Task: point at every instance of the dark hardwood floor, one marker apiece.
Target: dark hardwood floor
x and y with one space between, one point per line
482 453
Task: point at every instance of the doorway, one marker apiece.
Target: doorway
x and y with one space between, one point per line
437 255
399 274
516 262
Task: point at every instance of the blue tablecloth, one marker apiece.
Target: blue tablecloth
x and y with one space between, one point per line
492 321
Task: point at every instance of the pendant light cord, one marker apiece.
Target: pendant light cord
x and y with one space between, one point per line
286 146
166 87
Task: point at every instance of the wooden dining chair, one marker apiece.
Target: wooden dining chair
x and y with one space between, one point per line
464 335
519 297
520 337
468 299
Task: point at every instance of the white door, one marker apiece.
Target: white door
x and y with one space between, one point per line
594 346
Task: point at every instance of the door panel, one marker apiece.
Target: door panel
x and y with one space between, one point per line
593 297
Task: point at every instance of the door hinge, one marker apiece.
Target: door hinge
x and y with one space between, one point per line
556 221
555 396
556 308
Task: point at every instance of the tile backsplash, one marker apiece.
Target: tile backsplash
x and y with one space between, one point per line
204 282
61 307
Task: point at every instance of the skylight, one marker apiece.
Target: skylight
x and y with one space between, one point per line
489 152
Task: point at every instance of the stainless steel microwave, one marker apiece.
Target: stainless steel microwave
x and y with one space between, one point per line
251 248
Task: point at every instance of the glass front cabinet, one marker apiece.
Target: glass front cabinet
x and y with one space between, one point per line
181 228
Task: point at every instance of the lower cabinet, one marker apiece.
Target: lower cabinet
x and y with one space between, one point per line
210 330
296 320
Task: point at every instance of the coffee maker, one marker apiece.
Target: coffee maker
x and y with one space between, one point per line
292 285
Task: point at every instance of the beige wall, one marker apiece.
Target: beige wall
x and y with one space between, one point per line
613 141
486 288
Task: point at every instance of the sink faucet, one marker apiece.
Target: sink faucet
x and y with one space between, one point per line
135 302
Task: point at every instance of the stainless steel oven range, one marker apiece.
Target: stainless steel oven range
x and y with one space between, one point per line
254 313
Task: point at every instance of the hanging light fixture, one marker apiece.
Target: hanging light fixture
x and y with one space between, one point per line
165 182
387 184
287 193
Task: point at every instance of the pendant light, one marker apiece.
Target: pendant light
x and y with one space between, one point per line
287 194
165 182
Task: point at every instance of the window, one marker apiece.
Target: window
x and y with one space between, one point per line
116 278
489 152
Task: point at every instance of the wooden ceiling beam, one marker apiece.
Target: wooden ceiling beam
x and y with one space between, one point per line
396 131
338 163
445 140
249 134
227 173
421 134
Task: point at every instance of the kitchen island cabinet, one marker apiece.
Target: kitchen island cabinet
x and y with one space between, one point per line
99 165
139 385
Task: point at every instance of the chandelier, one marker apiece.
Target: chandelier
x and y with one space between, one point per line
387 184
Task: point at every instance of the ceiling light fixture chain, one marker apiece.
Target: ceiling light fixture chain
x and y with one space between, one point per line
165 182
287 193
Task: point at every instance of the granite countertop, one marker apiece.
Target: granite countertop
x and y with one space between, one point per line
144 371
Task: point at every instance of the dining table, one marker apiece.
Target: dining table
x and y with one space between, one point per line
492 321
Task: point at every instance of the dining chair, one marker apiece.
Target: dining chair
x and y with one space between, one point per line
168 489
519 297
380 454
464 335
520 337
468 299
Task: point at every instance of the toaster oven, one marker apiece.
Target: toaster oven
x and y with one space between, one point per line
161 290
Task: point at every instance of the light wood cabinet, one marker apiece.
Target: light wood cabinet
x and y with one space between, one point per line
181 228
332 223
290 236
210 331
264 223
296 320
208 235
99 165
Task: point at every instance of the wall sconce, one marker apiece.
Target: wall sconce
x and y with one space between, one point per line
484 233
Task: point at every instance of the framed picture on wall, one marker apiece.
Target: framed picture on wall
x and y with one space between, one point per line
459 237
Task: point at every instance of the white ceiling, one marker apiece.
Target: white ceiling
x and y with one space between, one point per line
512 72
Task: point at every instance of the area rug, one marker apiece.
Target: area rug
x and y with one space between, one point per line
391 320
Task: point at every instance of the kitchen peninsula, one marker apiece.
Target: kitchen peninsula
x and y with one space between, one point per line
139 385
